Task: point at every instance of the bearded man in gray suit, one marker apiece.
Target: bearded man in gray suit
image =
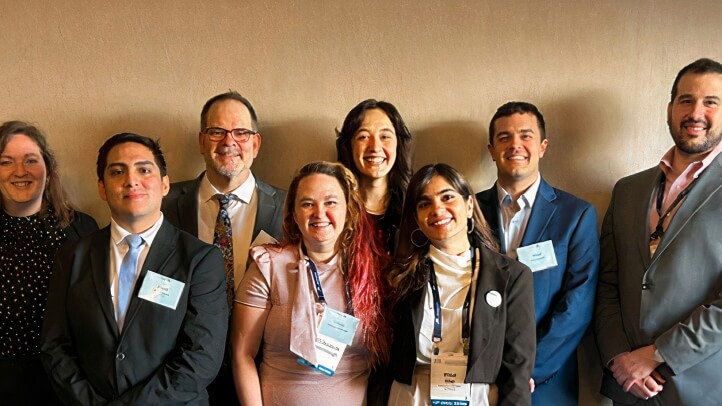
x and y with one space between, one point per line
227 191
659 300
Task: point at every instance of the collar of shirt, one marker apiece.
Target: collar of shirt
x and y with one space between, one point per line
692 171
244 193
118 234
525 200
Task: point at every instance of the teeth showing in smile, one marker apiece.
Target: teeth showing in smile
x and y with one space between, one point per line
320 225
21 184
441 222
516 158
374 160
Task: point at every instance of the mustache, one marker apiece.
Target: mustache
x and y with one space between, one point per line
226 150
692 121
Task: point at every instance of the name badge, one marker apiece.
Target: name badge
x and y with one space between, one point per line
538 257
448 371
335 331
161 290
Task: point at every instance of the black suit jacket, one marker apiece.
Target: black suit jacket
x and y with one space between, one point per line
180 207
503 338
162 356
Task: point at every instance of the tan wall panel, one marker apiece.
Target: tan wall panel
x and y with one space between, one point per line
600 72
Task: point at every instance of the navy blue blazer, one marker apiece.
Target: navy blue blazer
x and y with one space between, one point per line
180 207
563 295
162 356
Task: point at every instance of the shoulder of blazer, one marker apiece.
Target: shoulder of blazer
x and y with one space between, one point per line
184 187
81 226
270 190
560 197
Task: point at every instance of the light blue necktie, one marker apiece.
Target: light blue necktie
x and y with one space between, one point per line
128 269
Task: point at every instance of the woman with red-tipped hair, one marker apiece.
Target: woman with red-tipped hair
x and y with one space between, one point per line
325 274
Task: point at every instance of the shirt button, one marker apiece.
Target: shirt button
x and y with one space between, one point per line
120 356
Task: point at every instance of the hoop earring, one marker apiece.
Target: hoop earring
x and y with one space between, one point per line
470 225
415 240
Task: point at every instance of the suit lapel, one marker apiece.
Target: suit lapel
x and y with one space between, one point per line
706 187
264 212
541 214
100 271
160 252
489 205
640 213
188 206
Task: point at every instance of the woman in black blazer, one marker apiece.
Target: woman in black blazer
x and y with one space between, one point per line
445 250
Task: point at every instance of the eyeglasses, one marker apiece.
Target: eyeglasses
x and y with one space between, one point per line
238 134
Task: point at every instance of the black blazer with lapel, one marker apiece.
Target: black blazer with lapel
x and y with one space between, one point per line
162 356
180 207
503 338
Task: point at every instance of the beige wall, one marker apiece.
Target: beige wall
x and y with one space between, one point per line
600 72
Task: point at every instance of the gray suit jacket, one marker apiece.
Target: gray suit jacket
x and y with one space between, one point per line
180 207
672 299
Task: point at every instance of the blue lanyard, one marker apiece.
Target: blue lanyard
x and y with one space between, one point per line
465 333
319 290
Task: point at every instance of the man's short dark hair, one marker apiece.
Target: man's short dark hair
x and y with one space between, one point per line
121 138
229 95
517 107
700 66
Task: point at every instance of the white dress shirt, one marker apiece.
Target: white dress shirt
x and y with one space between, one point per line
514 216
118 249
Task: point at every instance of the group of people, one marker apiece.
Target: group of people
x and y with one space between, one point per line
364 283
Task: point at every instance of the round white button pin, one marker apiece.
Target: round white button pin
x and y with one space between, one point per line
493 298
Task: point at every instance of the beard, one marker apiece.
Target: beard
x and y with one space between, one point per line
691 146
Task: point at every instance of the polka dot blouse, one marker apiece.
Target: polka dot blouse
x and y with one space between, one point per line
27 248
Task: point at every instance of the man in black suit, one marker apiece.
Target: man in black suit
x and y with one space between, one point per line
229 141
139 322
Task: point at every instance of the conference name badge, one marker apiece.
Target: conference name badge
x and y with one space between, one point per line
537 257
335 331
448 371
161 290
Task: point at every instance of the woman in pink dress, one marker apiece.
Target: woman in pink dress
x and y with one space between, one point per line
329 262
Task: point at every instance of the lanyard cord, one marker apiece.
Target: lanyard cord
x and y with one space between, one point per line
659 230
319 290
465 333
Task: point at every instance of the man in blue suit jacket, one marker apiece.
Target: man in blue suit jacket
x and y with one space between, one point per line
552 232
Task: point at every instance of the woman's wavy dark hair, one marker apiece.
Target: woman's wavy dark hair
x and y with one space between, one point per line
54 202
406 275
401 171
361 250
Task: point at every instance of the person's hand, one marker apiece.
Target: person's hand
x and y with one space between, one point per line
634 372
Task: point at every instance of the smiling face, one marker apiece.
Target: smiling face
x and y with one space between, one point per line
22 176
320 212
695 115
442 214
228 162
373 146
517 148
133 186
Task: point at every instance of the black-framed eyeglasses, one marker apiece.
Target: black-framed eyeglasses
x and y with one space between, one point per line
238 134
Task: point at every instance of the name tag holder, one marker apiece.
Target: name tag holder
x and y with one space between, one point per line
335 330
448 370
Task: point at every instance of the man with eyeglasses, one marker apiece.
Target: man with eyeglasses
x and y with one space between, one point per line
226 205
